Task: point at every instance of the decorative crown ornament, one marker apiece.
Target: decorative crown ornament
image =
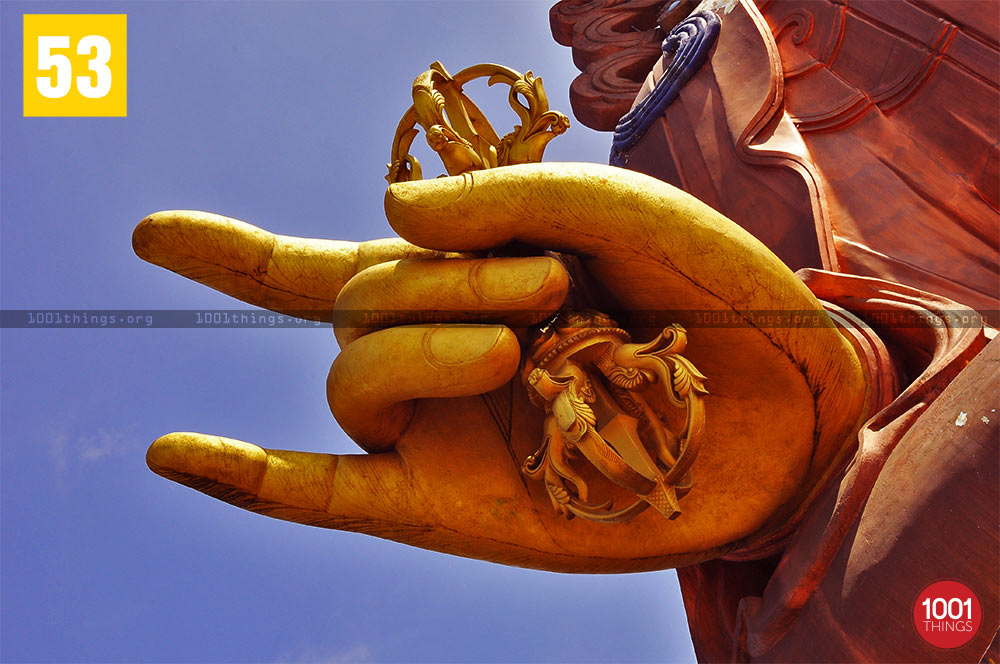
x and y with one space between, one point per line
615 403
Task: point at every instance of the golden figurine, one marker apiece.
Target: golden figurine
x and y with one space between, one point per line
617 442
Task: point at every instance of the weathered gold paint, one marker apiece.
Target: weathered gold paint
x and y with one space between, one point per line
436 405
784 402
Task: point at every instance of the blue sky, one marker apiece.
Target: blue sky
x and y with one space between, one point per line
280 114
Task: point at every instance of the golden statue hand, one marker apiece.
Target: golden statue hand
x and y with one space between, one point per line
446 474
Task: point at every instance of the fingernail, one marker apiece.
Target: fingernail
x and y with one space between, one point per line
510 279
458 345
147 232
430 194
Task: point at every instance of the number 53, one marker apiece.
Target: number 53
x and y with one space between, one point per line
97 64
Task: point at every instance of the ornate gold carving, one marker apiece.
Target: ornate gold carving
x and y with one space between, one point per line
459 132
596 388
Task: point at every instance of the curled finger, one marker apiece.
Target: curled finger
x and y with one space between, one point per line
513 291
374 383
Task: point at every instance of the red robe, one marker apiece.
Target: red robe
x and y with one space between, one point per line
858 137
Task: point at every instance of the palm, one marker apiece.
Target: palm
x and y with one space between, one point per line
443 409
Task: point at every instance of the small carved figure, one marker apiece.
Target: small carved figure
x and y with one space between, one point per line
628 443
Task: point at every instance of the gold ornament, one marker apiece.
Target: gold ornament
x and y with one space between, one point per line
593 385
459 132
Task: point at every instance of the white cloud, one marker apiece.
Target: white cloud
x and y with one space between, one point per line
325 655
88 448
102 444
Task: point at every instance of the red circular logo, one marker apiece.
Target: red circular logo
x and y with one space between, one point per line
947 614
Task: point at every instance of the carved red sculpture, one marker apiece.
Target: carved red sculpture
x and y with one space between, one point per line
614 45
858 139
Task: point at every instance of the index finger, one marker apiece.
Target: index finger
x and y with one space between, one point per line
658 243
291 275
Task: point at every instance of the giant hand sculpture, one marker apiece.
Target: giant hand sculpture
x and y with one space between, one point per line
444 465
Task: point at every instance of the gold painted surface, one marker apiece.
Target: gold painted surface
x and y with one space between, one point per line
440 409
622 436
446 469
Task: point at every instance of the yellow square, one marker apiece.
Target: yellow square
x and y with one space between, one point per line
75 65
